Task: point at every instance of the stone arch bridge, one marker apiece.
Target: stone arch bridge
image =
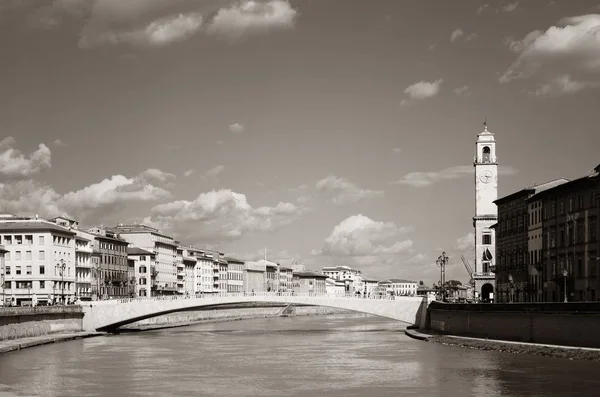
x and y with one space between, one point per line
109 315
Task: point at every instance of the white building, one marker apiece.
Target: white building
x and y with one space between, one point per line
2 252
399 287
334 287
165 251
235 275
207 271
83 265
39 262
486 214
370 287
352 278
144 270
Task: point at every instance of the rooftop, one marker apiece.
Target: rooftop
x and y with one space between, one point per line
138 251
32 225
309 275
398 281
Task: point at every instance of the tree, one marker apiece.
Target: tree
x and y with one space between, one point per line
453 283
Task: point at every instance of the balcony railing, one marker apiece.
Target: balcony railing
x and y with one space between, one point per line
483 274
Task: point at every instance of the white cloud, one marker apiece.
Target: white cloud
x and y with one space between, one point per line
397 150
159 32
15 165
422 90
455 35
188 172
219 142
471 36
462 91
29 197
59 143
249 17
510 7
360 236
221 215
161 22
214 172
236 128
424 179
419 259
344 191
565 58
482 8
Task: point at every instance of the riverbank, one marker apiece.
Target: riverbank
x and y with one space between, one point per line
555 351
23 343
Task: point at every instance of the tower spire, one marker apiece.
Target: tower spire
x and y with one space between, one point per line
485 123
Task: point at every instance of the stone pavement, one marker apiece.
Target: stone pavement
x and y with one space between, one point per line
22 343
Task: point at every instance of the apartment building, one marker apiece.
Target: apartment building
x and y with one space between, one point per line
271 276
512 270
334 287
370 286
570 262
207 271
109 256
398 287
223 275
309 283
286 279
235 275
142 265
353 279
39 261
255 279
189 263
164 248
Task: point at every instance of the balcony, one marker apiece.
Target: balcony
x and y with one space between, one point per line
483 275
86 265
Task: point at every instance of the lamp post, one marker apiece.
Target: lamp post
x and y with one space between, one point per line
565 274
61 266
511 291
441 261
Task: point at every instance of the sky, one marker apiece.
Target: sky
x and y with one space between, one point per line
330 132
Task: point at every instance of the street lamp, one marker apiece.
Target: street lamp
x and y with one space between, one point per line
61 266
565 274
441 261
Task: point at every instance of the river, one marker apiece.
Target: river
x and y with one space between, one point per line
337 356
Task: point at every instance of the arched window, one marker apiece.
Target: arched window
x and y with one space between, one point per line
485 154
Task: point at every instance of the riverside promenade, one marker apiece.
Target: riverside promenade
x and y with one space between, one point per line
10 345
538 349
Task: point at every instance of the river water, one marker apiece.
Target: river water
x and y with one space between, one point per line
337 356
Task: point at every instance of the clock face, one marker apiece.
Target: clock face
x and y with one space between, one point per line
486 176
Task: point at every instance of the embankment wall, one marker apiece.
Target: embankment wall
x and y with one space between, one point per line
568 324
23 322
231 313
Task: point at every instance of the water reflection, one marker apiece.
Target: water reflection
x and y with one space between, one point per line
303 356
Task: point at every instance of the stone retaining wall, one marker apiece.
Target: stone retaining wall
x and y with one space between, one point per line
23 322
568 324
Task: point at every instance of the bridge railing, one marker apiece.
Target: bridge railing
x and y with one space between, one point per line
242 294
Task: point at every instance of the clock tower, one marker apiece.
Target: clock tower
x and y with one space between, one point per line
486 214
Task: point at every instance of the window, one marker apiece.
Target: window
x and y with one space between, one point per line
8 240
42 270
28 269
485 154
570 204
143 258
580 202
41 240
18 270
7 270
487 239
42 284
42 255
592 232
18 239
17 255
580 270
580 236
27 255
561 207
7 256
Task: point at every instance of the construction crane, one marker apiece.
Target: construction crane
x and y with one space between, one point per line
469 269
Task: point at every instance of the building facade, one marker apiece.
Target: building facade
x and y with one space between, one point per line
399 287
486 214
255 278
39 262
142 266
570 230
165 250
352 278
235 275
2 252
309 283
110 251
286 278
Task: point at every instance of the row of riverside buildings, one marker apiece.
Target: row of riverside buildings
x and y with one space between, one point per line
55 261
547 242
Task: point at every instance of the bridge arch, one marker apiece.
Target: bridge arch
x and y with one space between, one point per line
110 315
